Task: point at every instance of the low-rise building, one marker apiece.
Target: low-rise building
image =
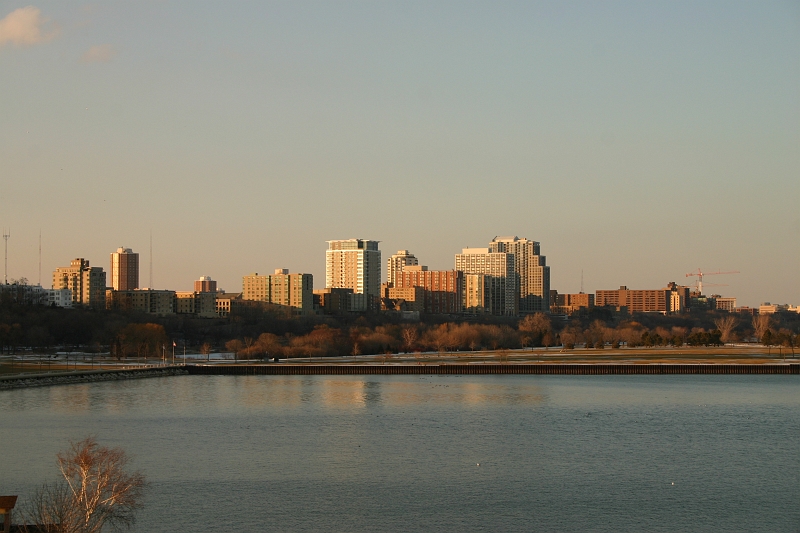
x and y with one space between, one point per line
404 298
570 303
199 304
767 308
151 301
59 298
332 300
23 294
226 302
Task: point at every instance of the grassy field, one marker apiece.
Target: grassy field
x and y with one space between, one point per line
683 355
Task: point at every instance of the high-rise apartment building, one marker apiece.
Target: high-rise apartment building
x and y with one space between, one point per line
205 284
124 270
500 290
354 264
533 275
87 283
476 301
395 264
281 288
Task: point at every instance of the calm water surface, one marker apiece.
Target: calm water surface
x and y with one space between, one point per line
401 453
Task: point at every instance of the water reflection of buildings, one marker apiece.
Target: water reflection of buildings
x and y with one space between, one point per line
349 393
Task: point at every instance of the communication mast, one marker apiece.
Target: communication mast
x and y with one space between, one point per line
6 236
699 274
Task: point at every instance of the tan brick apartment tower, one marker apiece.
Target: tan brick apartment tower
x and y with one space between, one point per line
88 284
124 270
205 284
281 288
354 264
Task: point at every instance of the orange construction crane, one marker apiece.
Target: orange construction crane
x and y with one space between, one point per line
699 274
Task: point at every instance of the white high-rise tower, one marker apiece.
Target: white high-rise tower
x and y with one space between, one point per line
354 264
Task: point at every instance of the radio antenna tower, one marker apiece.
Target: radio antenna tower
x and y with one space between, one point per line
40 257
151 259
581 281
6 236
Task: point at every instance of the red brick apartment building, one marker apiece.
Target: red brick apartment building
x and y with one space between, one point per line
636 301
442 288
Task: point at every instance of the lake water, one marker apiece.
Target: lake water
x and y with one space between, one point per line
432 453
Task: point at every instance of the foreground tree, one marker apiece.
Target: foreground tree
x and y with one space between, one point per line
761 324
726 325
96 491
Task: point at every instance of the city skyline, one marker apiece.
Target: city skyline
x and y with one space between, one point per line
636 142
354 245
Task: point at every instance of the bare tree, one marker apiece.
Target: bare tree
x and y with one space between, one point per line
205 349
235 346
96 490
761 324
410 336
726 326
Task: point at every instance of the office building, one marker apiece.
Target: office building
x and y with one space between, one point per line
500 278
124 270
725 303
395 264
533 275
354 264
86 283
767 308
205 284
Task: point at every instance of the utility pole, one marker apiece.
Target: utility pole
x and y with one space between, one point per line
6 236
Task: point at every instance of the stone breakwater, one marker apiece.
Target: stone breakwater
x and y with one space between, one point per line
22 381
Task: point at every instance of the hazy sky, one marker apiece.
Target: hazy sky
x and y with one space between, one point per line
637 141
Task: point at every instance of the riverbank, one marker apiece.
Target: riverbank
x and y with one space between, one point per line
21 381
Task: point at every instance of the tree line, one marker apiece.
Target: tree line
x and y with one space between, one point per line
260 333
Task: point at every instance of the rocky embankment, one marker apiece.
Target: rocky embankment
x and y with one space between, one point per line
22 381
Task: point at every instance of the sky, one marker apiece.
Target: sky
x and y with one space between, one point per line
637 141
